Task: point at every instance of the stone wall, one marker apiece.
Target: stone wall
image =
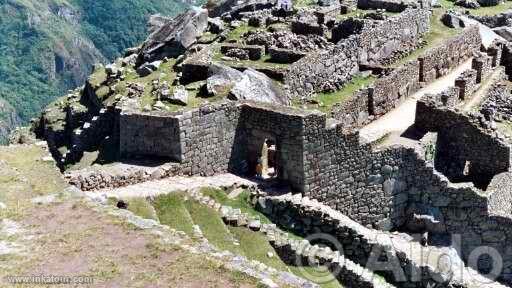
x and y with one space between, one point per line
287 56
365 246
325 70
468 150
354 112
438 61
152 135
377 42
482 63
392 5
388 40
391 89
347 176
466 83
500 194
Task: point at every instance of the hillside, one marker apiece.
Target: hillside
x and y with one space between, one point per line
49 46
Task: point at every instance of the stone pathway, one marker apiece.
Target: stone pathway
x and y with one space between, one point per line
402 117
178 183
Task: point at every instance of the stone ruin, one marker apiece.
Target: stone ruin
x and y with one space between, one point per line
342 186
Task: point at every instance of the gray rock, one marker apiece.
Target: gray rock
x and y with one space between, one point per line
144 70
216 25
254 225
221 79
452 21
471 4
256 86
112 70
180 96
174 36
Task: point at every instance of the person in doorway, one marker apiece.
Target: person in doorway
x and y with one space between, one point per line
259 168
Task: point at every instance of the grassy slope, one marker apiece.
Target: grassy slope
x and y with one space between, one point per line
181 214
72 239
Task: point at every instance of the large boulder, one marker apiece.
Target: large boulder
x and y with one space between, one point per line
180 96
148 68
256 86
471 4
174 36
221 79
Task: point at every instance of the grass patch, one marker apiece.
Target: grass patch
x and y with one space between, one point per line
255 246
491 10
304 3
263 63
314 272
98 77
505 127
236 34
327 100
171 211
241 202
359 13
212 226
143 208
23 176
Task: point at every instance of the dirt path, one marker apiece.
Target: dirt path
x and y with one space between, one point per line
402 117
156 187
71 239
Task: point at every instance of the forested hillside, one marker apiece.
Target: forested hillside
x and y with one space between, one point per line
49 46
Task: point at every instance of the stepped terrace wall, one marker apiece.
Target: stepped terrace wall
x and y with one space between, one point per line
402 266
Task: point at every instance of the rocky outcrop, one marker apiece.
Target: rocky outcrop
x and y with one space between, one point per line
222 79
256 86
174 37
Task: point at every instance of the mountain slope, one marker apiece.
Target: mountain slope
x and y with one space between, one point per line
49 46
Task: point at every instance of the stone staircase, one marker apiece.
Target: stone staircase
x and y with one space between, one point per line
89 136
297 252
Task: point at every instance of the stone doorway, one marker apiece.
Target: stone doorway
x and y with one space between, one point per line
263 150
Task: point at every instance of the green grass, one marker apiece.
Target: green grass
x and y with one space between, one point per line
172 212
142 207
212 226
304 3
316 276
255 246
327 100
98 77
482 11
236 34
241 202
178 213
359 13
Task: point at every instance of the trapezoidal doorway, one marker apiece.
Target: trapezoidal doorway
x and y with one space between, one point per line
262 155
